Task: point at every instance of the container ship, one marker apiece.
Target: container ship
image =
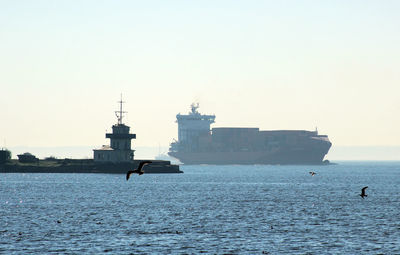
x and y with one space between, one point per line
116 158
198 144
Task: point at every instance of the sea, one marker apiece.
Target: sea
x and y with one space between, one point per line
235 209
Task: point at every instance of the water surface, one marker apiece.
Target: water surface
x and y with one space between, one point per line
208 209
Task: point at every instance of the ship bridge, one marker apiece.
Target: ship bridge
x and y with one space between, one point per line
192 126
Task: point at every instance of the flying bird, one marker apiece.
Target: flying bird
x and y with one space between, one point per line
363 192
312 173
139 170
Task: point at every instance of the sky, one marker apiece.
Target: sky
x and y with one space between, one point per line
333 65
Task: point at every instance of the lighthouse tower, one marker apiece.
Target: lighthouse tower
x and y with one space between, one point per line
119 149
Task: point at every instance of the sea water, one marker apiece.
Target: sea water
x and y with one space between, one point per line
208 209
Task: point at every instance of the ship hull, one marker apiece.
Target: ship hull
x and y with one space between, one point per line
286 156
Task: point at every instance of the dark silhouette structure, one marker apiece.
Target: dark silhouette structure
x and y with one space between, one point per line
139 170
27 158
5 155
116 158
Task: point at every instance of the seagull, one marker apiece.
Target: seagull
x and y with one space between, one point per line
139 170
312 173
363 192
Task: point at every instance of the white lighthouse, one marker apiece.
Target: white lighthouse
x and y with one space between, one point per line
119 149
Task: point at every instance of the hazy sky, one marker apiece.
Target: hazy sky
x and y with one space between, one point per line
334 65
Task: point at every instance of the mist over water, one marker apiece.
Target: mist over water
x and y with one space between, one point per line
212 209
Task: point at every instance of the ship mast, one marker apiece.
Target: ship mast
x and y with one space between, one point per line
194 108
120 113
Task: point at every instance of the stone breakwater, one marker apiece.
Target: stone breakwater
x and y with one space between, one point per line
85 166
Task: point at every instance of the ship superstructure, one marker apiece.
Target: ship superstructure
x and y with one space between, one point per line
191 127
197 144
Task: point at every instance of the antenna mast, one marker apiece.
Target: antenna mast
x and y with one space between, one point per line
120 113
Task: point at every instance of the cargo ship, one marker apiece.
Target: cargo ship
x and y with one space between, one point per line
116 158
198 144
